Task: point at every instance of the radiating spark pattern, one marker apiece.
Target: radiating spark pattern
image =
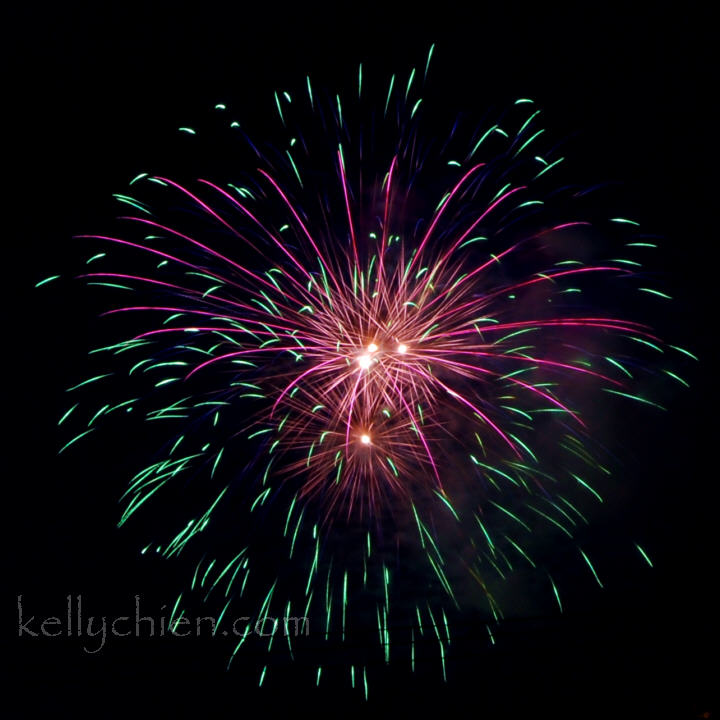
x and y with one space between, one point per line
377 357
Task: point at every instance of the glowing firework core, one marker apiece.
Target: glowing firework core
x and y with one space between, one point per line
364 361
402 348
365 439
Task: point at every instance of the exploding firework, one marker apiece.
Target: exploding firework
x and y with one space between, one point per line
375 354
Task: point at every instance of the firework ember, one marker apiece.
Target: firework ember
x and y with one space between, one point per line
377 354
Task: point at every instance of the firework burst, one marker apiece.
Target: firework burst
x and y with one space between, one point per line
380 351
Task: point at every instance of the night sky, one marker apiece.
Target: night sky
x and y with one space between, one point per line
101 89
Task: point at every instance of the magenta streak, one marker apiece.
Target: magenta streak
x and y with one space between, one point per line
484 298
225 330
441 211
207 209
563 321
297 380
183 289
187 310
477 270
347 206
302 225
307 349
212 252
527 358
550 398
142 247
481 414
497 257
383 244
122 276
269 348
549 276
276 240
563 226
490 208
550 323
381 292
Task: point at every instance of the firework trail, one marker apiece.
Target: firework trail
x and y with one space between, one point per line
376 357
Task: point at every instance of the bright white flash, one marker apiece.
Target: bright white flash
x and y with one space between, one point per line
365 439
364 361
402 348
372 347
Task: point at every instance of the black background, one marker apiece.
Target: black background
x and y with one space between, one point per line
98 90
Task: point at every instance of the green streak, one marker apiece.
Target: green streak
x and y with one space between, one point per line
684 352
47 280
644 554
618 365
590 565
86 382
74 440
447 502
587 487
555 590
656 292
65 416
634 397
676 377
427 64
387 101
